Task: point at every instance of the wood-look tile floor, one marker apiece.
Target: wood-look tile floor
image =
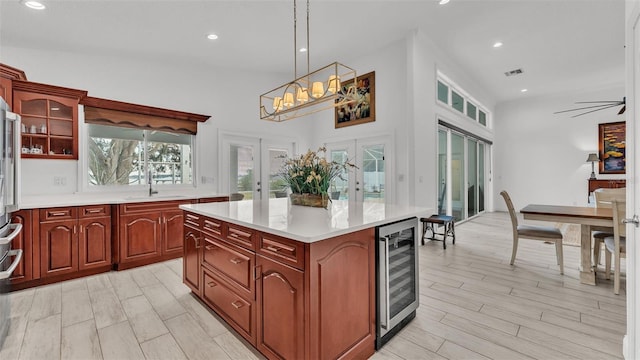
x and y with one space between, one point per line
474 305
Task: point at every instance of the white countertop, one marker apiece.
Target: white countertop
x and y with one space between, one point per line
95 198
303 223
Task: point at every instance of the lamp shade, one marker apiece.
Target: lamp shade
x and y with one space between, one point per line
593 157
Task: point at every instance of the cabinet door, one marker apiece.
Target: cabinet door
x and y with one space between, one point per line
191 261
94 243
140 236
280 305
58 248
172 231
24 271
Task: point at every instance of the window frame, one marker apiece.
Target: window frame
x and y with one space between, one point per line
83 166
466 100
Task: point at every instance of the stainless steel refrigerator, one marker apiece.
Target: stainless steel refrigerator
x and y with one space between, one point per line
9 184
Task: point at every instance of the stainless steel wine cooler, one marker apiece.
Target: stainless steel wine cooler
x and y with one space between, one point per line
397 277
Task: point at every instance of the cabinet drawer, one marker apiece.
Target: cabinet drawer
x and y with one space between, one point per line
62 213
192 219
283 250
94 211
212 226
232 306
234 262
241 236
151 206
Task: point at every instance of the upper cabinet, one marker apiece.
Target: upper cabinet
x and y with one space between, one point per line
49 119
7 74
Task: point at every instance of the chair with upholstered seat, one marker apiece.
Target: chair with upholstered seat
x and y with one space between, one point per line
599 233
236 197
533 232
616 244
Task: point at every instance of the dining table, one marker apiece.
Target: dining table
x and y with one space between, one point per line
586 217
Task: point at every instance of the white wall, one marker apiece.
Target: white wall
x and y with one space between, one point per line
230 97
540 157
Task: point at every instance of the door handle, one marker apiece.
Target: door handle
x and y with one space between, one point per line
633 220
18 254
15 231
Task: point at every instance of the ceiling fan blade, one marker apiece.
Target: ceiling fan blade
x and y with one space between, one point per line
606 107
622 110
595 102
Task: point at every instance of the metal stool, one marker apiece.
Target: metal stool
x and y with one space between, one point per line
444 220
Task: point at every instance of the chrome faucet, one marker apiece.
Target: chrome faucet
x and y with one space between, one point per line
151 191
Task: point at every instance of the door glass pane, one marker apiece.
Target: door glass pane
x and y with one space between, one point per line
443 93
457 176
339 189
277 186
472 177
59 110
373 173
457 101
480 177
241 170
442 172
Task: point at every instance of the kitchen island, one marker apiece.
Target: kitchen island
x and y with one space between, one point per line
296 282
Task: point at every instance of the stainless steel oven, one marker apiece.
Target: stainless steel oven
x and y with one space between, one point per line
397 277
9 160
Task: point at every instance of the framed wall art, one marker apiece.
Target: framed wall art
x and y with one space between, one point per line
611 145
362 111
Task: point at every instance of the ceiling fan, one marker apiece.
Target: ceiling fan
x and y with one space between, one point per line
601 105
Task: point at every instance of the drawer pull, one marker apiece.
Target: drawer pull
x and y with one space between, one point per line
211 284
273 248
93 211
236 261
58 213
210 247
237 304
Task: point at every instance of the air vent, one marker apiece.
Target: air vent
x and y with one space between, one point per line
514 72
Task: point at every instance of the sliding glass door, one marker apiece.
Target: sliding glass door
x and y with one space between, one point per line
461 174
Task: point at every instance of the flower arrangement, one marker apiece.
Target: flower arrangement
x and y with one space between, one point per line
311 174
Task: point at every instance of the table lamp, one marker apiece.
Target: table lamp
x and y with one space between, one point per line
593 158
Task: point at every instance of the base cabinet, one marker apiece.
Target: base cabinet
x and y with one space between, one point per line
73 239
280 308
24 272
289 299
191 272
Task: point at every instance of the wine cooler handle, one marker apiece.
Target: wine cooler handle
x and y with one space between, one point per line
385 321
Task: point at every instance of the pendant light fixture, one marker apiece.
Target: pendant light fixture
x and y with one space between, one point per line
310 93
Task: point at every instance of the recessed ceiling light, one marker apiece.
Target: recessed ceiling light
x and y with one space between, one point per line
303 50
34 5
212 36
497 44
524 90
442 2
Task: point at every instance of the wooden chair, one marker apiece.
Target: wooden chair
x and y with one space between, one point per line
599 233
533 232
616 244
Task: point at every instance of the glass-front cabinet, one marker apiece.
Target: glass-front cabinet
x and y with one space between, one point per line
49 114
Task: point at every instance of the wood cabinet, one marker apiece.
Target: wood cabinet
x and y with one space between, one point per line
49 118
287 298
149 232
7 75
24 272
191 271
74 239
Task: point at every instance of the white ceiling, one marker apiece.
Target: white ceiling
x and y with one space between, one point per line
562 45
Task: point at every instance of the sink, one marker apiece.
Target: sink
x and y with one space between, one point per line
154 197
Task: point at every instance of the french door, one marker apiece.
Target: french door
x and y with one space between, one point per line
249 166
461 174
370 181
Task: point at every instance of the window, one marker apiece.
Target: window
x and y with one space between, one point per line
471 110
125 156
482 118
443 92
457 101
